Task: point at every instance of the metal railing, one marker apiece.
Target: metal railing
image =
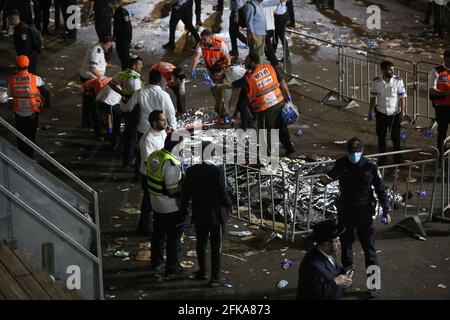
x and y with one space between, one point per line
40 207
445 180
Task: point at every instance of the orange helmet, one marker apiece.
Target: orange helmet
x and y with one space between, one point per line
22 61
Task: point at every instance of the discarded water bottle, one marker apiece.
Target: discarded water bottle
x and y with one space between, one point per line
286 264
282 284
243 46
428 133
383 219
226 119
299 133
422 193
402 135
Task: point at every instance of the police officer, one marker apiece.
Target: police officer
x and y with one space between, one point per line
24 9
29 95
24 40
267 92
388 94
356 204
123 33
175 79
181 10
440 96
164 184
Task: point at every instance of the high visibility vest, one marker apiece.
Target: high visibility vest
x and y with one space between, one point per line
124 77
92 87
166 70
443 83
155 172
263 88
213 54
25 93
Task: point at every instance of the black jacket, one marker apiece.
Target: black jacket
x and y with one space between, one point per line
205 185
23 40
122 29
315 278
356 181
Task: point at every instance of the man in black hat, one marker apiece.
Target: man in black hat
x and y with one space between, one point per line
356 204
320 277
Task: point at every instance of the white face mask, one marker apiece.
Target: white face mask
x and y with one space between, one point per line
355 157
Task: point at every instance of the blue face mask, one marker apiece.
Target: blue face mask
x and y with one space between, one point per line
355 157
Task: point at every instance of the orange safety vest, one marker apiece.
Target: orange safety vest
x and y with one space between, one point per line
443 83
166 70
25 93
263 88
213 54
92 87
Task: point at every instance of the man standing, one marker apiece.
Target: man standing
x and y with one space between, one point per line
181 10
319 275
123 33
234 31
281 18
174 78
24 40
150 142
205 185
27 91
269 15
438 14
388 94
164 176
267 92
440 96
42 15
356 205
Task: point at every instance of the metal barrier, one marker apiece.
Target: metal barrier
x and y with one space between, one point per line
37 208
306 211
445 181
424 105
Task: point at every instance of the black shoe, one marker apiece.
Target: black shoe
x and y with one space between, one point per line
218 8
199 275
169 46
177 275
216 282
199 23
159 268
372 293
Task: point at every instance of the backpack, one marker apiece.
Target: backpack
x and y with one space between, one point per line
242 14
36 37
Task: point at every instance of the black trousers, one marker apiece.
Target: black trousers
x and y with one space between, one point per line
183 13
385 122
116 114
91 115
146 207
4 12
71 31
198 10
443 119
235 33
248 119
280 32
291 12
438 12
268 48
123 51
42 14
271 119
359 219
129 136
28 127
33 57
215 234
58 12
103 23
428 13
181 99
167 231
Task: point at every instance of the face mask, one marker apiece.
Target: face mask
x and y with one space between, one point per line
355 157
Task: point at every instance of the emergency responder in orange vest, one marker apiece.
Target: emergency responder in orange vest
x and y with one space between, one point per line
267 92
175 79
29 95
90 89
440 96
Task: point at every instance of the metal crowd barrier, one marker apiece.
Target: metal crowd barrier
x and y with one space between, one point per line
445 181
355 69
315 207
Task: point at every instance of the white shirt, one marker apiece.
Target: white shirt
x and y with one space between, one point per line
150 142
151 98
269 15
388 94
163 203
440 2
330 258
94 58
434 75
109 96
281 8
234 73
39 83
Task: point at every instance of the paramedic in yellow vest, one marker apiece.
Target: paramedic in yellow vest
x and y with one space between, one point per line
440 96
267 92
164 176
29 95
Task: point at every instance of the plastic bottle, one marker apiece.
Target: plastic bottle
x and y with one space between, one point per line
383 220
299 133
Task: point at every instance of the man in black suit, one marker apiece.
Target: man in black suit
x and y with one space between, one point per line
205 185
320 277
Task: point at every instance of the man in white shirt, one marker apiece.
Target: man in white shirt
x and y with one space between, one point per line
151 97
388 95
151 141
269 15
94 63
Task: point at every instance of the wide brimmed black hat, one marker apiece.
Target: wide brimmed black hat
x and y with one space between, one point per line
325 231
